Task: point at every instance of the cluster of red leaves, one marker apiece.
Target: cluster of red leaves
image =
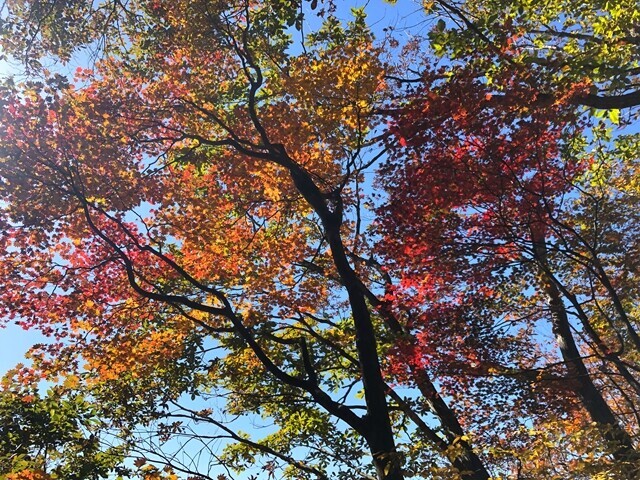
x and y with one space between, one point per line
29 475
474 173
70 176
466 161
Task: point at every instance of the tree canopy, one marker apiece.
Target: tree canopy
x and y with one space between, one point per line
279 240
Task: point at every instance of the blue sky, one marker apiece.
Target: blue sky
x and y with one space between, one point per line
14 342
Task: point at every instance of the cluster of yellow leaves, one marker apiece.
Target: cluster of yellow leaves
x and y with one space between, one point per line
149 472
559 449
138 356
330 99
339 86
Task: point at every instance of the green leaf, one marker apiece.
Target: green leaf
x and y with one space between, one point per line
614 116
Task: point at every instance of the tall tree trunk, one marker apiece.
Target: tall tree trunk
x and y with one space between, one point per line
623 449
378 431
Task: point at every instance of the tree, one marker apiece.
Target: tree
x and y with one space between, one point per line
188 219
595 41
471 211
203 112
52 436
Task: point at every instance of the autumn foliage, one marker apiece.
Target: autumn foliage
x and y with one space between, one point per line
400 267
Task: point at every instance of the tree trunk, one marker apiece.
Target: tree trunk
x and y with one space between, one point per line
378 432
621 443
